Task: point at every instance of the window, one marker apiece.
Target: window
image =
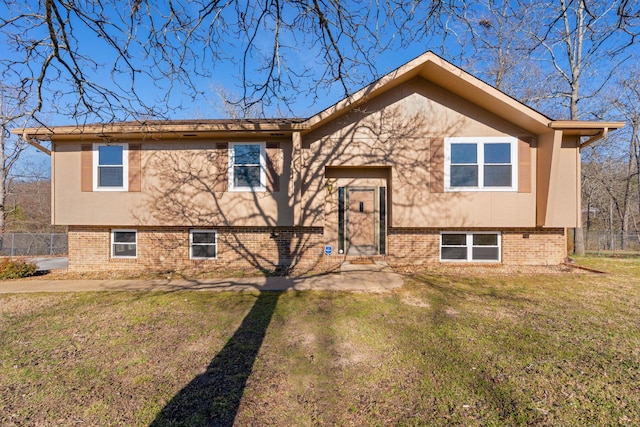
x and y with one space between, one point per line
477 247
247 166
110 167
487 164
203 244
124 243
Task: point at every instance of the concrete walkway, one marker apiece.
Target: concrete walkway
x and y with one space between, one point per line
376 277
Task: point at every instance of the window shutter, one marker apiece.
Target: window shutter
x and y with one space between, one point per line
221 176
135 181
437 165
86 167
524 164
274 166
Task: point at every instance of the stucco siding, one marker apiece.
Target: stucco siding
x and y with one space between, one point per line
557 198
395 131
177 188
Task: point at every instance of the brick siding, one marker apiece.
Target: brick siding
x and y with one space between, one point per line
167 249
287 248
534 247
526 246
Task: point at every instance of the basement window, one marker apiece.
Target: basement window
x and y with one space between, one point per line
204 244
470 247
124 243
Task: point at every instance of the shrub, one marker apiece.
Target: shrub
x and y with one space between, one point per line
16 268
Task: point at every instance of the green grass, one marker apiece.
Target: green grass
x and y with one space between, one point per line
446 349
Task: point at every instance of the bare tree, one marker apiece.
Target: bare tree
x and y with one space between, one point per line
28 199
615 167
114 60
566 50
493 33
628 103
585 42
613 171
10 148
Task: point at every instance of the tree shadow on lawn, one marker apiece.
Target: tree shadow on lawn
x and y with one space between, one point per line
213 398
474 284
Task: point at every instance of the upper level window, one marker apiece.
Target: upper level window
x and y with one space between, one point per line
485 163
247 166
110 167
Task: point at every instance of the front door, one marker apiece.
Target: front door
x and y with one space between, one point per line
361 222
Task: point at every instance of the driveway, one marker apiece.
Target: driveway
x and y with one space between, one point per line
46 264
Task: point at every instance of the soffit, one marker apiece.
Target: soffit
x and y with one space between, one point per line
162 129
584 128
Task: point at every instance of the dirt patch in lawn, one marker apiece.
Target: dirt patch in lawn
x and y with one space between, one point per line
414 301
13 306
490 269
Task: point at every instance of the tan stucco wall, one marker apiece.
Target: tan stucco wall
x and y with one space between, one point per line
394 131
558 167
168 196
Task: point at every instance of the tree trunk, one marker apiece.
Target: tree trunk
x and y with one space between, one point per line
578 241
2 181
574 54
612 236
588 217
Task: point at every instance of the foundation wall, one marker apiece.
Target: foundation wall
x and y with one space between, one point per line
167 249
526 246
287 249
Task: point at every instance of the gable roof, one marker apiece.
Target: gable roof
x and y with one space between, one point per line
437 70
427 66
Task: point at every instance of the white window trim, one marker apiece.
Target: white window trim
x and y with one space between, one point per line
191 232
263 174
469 245
112 243
480 140
125 167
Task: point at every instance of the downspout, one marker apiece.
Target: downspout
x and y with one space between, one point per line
36 144
579 185
594 138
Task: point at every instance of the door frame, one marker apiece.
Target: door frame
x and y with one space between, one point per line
379 217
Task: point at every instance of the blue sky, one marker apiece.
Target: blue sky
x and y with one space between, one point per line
220 57
297 46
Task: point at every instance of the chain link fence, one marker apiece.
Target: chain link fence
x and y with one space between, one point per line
33 244
602 241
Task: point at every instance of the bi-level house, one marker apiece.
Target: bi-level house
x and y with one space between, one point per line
426 165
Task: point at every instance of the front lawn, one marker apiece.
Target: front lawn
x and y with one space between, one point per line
449 348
